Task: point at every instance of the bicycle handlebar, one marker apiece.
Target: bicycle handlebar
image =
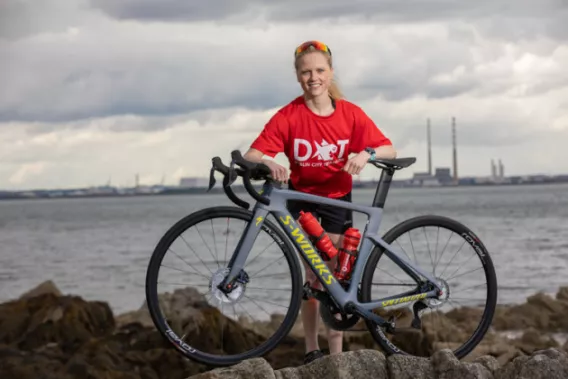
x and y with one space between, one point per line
249 171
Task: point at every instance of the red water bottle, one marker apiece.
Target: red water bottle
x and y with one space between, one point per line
347 254
314 229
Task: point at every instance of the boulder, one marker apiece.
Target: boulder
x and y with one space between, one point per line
541 312
542 364
50 335
364 364
67 320
47 287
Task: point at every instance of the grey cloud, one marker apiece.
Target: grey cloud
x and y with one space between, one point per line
23 18
492 130
390 10
100 76
171 9
43 87
506 19
511 18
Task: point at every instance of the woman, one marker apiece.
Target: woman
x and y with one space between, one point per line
318 131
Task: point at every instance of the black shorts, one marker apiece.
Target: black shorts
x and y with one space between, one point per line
333 220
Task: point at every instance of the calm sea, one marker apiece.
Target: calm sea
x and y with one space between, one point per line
98 248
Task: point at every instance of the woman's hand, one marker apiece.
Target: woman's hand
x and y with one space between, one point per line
279 173
357 163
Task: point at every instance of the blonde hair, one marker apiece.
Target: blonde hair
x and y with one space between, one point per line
334 90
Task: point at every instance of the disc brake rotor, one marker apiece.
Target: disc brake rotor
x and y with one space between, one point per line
442 299
232 297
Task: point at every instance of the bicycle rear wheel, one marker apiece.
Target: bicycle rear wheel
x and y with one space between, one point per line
253 318
468 268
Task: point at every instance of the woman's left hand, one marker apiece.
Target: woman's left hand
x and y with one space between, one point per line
357 163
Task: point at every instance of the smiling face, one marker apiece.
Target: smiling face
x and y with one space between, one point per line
314 74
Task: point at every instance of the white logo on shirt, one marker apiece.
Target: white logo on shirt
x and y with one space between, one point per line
324 151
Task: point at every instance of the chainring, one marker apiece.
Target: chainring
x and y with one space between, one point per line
328 315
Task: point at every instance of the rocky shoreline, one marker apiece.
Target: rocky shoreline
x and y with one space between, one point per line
46 334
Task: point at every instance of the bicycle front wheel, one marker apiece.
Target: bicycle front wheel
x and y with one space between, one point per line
458 260
199 320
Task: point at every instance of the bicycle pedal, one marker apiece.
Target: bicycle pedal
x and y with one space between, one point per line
309 291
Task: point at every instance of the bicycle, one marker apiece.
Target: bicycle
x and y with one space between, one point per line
342 304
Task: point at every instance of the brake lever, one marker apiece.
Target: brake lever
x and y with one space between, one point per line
212 180
232 173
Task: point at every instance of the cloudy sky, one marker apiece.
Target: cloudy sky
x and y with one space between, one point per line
93 90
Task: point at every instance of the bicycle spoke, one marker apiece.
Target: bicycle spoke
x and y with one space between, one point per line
428 244
453 258
266 293
267 289
391 275
183 239
477 286
405 253
185 284
207 246
187 263
214 244
262 252
265 301
443 251
187 272
227 239
463 274
265 267
436 250
413 251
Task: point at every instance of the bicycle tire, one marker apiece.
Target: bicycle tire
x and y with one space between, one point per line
485 258
157 316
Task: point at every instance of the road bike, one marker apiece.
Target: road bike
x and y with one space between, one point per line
342 303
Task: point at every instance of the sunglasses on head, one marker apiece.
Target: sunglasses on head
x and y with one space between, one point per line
316 44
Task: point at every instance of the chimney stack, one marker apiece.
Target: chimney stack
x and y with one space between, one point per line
455 150
429 149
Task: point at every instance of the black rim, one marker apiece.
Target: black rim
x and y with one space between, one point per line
290 261
470 240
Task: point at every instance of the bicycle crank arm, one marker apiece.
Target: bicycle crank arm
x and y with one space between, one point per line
315 293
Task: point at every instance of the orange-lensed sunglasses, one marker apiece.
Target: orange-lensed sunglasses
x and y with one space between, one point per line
316 44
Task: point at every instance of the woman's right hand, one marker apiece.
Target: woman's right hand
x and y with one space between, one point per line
279 173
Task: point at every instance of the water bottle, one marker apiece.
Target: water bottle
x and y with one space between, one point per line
347 254
322 240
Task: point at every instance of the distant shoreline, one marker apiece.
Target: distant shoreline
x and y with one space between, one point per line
111 192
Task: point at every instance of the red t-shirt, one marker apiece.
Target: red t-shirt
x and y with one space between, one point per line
319 146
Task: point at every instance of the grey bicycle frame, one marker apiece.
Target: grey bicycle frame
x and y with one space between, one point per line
369 240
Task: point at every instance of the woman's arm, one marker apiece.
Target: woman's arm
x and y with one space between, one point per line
385 151
254 155
278 172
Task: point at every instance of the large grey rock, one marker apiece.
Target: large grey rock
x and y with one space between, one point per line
364 364
543 364
447 366
408 367
256 368
351 365
489 362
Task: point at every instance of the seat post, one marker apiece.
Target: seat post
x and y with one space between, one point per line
383 187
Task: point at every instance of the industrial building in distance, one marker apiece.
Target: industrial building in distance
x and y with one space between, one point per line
445 176
434 177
